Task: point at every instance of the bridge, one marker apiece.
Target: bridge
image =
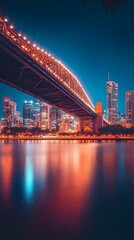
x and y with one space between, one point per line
27 67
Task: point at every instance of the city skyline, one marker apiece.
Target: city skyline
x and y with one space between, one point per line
37 114
30 98
82 54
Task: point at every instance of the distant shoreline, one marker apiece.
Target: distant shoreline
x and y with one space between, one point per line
91 138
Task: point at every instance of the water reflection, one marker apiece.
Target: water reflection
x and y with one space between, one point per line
6 168
67 188
61 176
29 178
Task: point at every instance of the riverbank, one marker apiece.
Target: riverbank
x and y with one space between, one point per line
90 138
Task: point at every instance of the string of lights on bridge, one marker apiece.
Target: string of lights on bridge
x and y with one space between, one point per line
39 55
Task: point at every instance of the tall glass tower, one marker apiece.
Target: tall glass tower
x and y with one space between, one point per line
112 101
28 113
130 107
9 113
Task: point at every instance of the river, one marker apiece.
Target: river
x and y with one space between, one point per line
67 190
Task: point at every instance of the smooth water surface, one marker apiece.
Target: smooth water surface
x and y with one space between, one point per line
66 190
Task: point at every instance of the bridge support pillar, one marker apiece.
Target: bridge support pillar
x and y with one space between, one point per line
92 123
86 125
99 118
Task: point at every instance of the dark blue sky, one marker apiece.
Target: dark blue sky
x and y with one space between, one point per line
88 39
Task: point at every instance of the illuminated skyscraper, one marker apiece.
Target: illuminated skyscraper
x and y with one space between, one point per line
6 112
112 101
130 107
45 116
55 118
28 113
36 109
65 124
9 112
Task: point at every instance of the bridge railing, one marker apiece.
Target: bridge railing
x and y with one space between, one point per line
53 66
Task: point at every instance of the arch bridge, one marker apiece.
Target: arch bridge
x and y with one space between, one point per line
29 68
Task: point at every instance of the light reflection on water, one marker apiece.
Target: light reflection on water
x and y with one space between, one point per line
66 190
29 178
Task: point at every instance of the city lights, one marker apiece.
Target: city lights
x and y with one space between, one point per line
6 20
11 26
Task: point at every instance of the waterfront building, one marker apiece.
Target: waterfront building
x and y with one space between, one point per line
17 119
36 109
129 102
45 116
37 120
112 101
1 125
28 113
55 118
20 121
65 124
27 122
9 113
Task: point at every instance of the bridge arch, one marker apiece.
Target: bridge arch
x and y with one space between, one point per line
52 65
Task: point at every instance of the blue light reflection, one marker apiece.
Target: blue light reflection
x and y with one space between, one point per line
29 178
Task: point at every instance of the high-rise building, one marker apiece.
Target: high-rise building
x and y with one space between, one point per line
55 118
36 109
129 98
65 124
17 119
45 116
28 113
112 101
6 112
1 125
9 113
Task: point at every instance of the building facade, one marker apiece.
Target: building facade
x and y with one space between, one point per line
129 100
55 118
28 113
112 102
45 116
9 113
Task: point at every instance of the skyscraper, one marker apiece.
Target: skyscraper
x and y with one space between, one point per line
28 113
65 124
112 101
55 118
9 112
17 119
36 109
129 98
45 116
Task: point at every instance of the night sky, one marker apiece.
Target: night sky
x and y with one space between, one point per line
89 40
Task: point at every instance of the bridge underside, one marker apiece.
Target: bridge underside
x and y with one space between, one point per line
22 72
